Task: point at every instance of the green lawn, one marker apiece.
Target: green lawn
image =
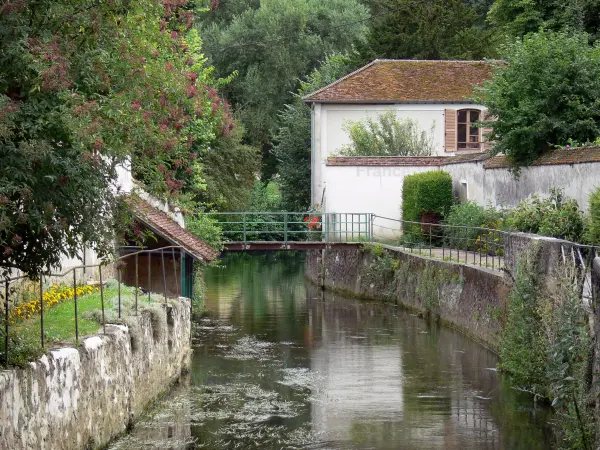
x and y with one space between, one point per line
59 322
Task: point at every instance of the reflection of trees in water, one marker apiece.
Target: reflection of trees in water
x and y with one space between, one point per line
261 292
450 398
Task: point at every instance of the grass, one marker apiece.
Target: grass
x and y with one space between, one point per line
59 322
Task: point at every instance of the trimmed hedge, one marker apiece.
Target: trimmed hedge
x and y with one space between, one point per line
594 230
429 192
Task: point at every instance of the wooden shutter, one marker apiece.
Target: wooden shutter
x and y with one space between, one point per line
487 145
451 136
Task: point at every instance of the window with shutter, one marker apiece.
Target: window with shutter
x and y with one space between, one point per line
469 135
450 134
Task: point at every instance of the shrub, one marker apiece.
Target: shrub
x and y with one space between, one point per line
426 193
206 228
469 214
594 228
553 216
387 136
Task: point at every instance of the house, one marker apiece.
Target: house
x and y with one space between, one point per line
435 94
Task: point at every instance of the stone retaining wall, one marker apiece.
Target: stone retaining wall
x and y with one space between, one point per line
75 398
471 299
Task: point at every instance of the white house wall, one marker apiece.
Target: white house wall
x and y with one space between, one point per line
366 189
329 135
378 190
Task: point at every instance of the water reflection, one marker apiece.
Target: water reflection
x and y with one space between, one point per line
279 363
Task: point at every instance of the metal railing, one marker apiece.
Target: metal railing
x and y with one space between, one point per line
13 294
287 227
485 247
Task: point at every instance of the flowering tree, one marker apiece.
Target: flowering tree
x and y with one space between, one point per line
85 84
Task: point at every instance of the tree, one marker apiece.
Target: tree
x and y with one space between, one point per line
431 29
547 94
519 17
387 136
229 171
85 85
270 48
293 141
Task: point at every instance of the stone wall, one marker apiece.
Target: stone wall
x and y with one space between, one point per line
470 299
74 398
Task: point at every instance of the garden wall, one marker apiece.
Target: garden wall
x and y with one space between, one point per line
470 299
74 398
374 184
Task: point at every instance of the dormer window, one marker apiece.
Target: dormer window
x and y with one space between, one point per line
468 133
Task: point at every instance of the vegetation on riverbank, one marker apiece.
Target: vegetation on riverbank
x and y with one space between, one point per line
59 320
546 347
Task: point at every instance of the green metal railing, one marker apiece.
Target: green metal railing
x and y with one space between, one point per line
294 226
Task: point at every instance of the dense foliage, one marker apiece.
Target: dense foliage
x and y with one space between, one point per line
84 86
547 93
545 347
554 216
594 226
294 136
426 193
387 136
434 29
470 214
270 48
519 17
229 170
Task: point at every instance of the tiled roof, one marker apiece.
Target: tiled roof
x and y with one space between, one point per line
556 157
395 161
161 224
407 81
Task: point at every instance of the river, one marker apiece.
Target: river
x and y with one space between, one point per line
279 364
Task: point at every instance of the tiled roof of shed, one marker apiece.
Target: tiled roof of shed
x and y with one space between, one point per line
161 224
407 81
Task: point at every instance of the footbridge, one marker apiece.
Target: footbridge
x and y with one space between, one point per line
309 230
255 231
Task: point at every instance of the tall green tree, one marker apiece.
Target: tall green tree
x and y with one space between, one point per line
547 94
85 85
270 48
427 29
519 17
229 171
294 135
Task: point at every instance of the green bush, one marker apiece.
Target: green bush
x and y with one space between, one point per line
554 216
425 193
469 214
594 228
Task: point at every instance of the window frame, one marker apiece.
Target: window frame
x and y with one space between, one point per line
467 144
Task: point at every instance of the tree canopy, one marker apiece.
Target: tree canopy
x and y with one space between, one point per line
431 29
85 85
546 94
294 135
270 48
519 17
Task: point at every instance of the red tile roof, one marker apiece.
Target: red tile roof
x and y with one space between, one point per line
580 155
161 224
563 156
406 81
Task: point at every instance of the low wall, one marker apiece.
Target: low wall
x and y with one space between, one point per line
471 299
74 398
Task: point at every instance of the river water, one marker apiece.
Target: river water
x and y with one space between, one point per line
279 364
